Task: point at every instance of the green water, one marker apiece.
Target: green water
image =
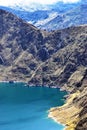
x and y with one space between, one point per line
26 108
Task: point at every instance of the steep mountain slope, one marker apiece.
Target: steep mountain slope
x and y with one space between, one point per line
68 61
57 58
16 37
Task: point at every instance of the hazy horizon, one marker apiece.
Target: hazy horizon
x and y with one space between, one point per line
27 2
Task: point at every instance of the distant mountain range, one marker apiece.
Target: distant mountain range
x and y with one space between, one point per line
52 17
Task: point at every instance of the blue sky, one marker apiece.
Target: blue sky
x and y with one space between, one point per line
26 2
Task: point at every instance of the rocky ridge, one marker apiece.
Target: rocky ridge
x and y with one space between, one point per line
57 58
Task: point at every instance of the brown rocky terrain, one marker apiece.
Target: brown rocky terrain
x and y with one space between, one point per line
58 58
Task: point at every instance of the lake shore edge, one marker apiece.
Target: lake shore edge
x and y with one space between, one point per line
30 85
68 114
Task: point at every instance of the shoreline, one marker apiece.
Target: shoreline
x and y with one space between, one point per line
30 85
55 120
68 114
12 82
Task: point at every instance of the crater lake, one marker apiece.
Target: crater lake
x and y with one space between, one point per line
26 108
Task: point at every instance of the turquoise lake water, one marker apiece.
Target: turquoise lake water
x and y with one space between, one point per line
26 108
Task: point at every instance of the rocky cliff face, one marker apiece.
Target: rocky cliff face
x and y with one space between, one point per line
58 58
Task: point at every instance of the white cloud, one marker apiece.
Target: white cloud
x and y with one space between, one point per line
27 2
70 1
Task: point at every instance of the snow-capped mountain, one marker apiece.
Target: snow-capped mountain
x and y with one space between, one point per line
52 16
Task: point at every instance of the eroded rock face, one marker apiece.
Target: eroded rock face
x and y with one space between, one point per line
57 58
